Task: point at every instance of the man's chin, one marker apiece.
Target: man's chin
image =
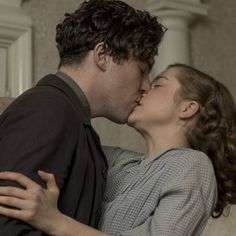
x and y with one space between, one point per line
118 120
123 118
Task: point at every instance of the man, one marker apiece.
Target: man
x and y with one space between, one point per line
106 51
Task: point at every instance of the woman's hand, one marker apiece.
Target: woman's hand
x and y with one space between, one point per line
34 204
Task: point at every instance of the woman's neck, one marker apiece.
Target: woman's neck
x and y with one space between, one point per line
159 140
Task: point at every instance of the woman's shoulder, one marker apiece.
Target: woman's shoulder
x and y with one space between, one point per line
187 163
188 156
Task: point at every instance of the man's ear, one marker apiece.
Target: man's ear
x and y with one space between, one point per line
100 56
188 109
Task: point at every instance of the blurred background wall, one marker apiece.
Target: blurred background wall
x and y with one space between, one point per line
212 49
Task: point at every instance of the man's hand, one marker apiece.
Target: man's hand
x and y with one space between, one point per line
33 204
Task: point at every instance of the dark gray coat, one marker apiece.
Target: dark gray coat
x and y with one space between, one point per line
46 128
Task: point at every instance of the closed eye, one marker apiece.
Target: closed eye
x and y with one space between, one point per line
156 85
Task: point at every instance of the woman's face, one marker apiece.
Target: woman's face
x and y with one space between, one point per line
160 105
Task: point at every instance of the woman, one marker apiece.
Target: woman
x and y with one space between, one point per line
187 174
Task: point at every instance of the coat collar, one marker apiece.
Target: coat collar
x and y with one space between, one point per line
53 81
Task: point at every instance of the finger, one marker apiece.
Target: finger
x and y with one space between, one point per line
14 213
19 178
13 192
49 179
12 202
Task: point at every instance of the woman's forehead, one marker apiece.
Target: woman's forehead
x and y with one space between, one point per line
167 74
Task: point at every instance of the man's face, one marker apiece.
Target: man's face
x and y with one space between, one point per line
128 81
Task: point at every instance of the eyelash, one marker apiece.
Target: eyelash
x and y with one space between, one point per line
156 85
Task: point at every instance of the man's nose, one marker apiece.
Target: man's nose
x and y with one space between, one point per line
146 85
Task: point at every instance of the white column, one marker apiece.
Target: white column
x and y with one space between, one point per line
176 16
15 37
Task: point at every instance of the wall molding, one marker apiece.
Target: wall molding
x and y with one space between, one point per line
16 37
192 6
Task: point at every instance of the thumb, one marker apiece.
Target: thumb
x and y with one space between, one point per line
49 179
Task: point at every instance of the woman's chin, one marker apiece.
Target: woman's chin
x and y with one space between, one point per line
130 123
132 120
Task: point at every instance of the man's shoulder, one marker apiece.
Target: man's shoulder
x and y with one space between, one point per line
44 102
48 90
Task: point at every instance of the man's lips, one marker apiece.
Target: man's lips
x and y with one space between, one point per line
138 101
137 104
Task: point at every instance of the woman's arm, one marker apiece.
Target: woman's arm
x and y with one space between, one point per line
117 154
38 206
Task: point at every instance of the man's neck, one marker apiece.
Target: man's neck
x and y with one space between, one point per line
89 84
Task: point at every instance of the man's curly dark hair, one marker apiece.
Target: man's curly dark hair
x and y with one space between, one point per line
125 32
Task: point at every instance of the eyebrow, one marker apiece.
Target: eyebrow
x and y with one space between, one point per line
160 77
